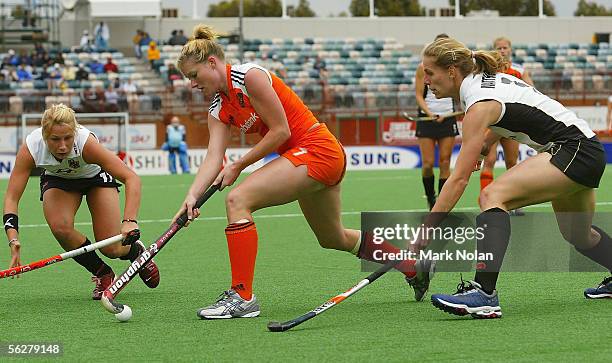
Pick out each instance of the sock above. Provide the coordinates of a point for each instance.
(486, 178)
(496, 239)
(428, 184)
(368, 247)
(92, 262)
(133, 253)
(242, 247)
(441, 184)
(602, 252)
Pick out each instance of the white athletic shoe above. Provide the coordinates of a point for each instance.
(230, 305)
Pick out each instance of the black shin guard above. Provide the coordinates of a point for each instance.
(428, 184)
(495, 241)
(602, 252)
(441, 184)
(92, 262)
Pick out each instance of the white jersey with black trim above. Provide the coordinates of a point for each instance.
(237, 74)
(438, 106)
(72, 167)
(527, 115)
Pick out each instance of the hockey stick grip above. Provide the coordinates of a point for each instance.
(182, 219)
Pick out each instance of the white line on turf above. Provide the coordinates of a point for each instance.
(298, 215)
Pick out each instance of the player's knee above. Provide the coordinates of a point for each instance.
(114, 251)
(62, 232)
(235, 200)
(427, 164)
(487, 197)
(445, 162)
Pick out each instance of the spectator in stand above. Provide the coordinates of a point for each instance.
(59, 58)
(85, 42)
(12, 58)
(278, 68)
(110, 67)
(173, 73)
(5, 84)
(38, 48)
(144, 40)
(136, 41)
(81, 73)
(320, 66)
(173, 38)
(55, 76)
(112, 99)
(609, 114)
(69, 73)
(128, 87)
(182, 39)
(153, 53)
(175, 144)
(23, 74)
(101, 36)
(24, 58)
(96, 67)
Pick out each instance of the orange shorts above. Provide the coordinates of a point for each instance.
(322, 154)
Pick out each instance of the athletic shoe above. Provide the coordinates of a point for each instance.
(602, 291)
(230, 305)
(425, 270)
(149, 274)
(102, 282)
(469, 299)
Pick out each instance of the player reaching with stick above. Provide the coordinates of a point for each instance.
(565, 172)
(310, 167)
(75, 165)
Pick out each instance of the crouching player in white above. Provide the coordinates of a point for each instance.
(75, 165)
(565, 172)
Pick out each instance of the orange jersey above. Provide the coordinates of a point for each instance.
(516, 70)
(236, 109)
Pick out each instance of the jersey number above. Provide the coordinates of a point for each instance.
(106, 177)
(505, 80)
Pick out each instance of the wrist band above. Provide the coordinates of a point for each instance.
(11, 221)
(129, 220)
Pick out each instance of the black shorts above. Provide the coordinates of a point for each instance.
(437, 130)
(582, 160)
(81, 185)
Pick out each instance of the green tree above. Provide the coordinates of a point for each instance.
(303, 10)
(505, 7)
(386, 8)
(586, 8)
(252, 8)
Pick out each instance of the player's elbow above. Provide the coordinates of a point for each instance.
(283, 134)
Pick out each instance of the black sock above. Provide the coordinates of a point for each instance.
(602, 252)
(92, 262)
(133, 253)
(441, 184)
(428, 184)
(495, 241)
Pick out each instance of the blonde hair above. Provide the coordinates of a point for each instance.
(450, 52)
(502, 39)
(59, 114)
(201, 46)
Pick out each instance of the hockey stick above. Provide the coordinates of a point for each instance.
(122, 280)
(429, 118)
(61, 257)
(276, 326)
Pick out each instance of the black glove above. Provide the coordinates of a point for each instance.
(132, 236)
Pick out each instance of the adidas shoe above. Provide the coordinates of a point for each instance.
(603, 290)
(469, 299)
(425, 270)
(230, 305)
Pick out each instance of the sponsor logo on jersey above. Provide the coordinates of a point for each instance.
(488, 81)
(249, 122)
(73, 163)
